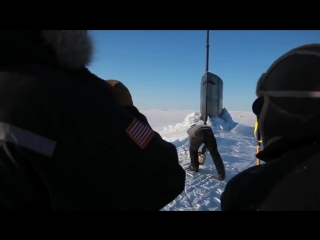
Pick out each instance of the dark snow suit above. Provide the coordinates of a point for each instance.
(203, 134)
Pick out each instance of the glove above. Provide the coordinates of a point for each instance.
(221, 177)
(121, 93)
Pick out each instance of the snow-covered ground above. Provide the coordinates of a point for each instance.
(236, 144)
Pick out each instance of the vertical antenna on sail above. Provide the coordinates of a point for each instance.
(207, 48)
(207, 69)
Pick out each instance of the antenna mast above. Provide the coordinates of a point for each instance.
(207, 57)
(207, 69)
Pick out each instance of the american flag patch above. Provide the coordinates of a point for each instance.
(140, 133)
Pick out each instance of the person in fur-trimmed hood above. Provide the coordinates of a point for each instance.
(288, 113)
(67, 140)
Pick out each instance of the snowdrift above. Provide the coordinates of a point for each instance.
(191, 118)
(224, 123)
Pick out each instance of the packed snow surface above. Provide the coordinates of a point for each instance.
(236, 144)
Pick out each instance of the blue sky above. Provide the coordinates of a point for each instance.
(163, 69)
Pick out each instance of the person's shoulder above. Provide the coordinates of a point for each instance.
(294, 191)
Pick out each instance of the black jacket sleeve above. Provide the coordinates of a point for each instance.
(162, 178)
(151, 170)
